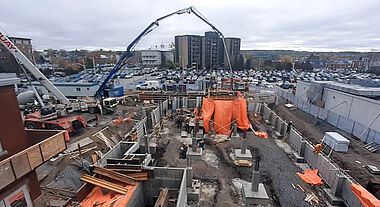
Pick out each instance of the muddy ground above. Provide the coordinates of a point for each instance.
(277, 170)
(314, 129)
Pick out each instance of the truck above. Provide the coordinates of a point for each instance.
(149, 85)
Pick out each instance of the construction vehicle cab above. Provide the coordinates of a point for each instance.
(109, 102)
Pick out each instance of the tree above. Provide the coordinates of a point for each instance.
(248, 64)
(303, 65)
(268, 63)
(267, 68)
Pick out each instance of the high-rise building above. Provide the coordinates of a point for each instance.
(7, 61)
(188, 51)
(205, 51)
(233, 49)
(213, 50)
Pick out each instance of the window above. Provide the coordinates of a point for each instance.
(78, 89)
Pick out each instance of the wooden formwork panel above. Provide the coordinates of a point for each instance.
(35, 157)
(53, 146)
(20, 164)
(6, 173)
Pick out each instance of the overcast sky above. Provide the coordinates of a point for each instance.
(314, 25)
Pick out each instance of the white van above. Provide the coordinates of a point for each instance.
(149, 85)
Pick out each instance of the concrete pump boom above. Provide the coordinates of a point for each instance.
(128, 53)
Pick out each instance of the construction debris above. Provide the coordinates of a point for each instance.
(311, 197)
(243, 163)
(104, 184)
(115, 176)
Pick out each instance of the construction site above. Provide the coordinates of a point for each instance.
(220, 146)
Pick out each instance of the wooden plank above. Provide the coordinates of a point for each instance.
(163, 198)
(20, 164)
(104, 184)
(6, 172)
(74, 146)
(114, 175)
(138, 175)
(52, 146)
(34, 155)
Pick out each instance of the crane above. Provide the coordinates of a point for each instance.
(128, 53)
(25, 62)
(47, 116)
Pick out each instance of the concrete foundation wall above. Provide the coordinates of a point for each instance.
(137, 199)
(182, 195)
(327, 169)
(116, 152)
(171, 178)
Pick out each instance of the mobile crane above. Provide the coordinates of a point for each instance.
(128, 53)
(47, 117)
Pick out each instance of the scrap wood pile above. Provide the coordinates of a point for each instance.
(121, 187)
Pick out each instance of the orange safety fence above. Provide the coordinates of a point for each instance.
(365, 197)
(97, 198)
(311, 177)
(223, 112)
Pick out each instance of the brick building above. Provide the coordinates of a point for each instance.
(8, 62)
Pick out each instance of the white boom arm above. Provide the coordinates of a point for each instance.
(22, 59)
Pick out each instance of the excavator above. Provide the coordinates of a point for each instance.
(48, 116)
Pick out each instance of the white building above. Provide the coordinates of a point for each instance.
(155, 58)
(151, 58)
(353, 102)
(71, 90)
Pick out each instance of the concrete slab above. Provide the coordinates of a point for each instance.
(183, 134)
(255, 198)
(193, 194)
(235, 137)
(194, 155)
(298, 159)
(240, 156)
(333, 200)
(277, 135)
(199, 134)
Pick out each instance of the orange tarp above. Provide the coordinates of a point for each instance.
(261, 134)
(311, 177)
(224, 112)
(365, 197)
(97, 198)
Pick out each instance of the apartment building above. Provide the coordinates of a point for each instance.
(7, 61)
(207, 52)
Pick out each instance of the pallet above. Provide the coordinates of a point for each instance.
(372, 147)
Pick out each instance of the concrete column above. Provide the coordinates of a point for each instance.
(211, 127)
(255, 180)
(234, 128)
(189, 176)
(147, 149)
(302, 149)
(337, 188)
(244, 143)
(194, 144)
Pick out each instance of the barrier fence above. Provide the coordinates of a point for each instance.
(350, 126)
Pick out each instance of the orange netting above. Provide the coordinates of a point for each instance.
(224, 112)
(365, 197)
(311, 177)
(97, 198)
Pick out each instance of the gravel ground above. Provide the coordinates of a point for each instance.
(314, 129)
(277, 170)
